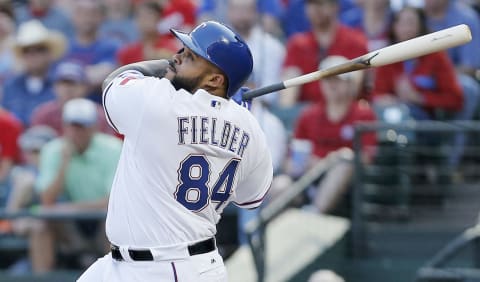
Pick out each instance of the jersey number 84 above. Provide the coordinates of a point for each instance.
(193, 190)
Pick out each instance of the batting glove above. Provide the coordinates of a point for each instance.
(237, 97)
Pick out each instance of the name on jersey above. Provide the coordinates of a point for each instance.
(209, 131)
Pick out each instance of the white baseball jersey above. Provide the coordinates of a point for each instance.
(184, 158)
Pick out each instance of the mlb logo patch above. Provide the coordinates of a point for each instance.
(215, 104)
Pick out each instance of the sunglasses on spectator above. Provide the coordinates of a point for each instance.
(35, 49)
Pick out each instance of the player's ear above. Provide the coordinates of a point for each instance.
(216, 80)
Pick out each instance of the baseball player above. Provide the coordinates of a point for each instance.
(188, 151)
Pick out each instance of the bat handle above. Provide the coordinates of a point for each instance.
(262, 91)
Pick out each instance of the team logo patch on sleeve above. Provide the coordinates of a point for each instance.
(126, 80)
(130, 77)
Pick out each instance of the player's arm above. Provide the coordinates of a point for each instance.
(156, 68)
(127, 88)
(252, 191)
(253, 188)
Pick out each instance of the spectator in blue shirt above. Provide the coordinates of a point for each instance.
(466, 58)
(118, 24)
(37, 48)
(446, 13)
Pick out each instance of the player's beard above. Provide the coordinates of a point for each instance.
(189, 84)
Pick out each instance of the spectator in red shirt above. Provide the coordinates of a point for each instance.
(152, 44)
(70, 81)
(426, 84)
(305, 50)
(326, 131)
(10, 130)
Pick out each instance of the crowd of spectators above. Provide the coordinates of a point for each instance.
(54, 56)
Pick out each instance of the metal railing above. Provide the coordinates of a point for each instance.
(255, 229)
(435, 269)
(405, 171)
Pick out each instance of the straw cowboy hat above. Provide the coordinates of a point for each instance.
(33, 33)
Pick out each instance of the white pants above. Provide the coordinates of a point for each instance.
(206, 267)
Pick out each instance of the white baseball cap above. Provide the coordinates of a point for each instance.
(80, 111)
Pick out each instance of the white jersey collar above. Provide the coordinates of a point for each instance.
(203, 94)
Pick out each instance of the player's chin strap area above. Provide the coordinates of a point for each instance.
(161, 254)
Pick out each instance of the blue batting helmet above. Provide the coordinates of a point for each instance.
(222, 47)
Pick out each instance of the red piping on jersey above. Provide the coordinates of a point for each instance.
(174, 272)
(126, 80)
(255, 201)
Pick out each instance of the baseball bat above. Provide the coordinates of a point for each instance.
(405, 50)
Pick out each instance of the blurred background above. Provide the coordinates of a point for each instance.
(376, 172)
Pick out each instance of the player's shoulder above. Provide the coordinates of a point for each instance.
(243, 118)
(242, 113)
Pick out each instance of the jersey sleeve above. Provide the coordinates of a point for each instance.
(253, 188)
(124, 99)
